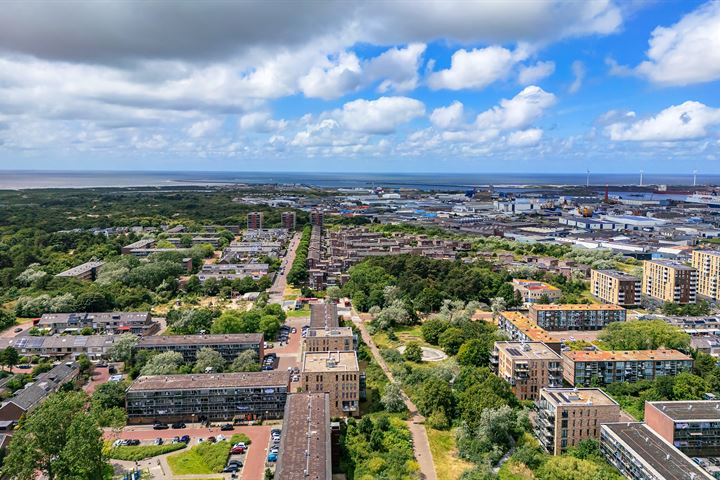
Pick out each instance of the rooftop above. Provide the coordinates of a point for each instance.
(692, 410)
(323, 315)
(227, 339)
(577, 396)
(533, 284)
(80, 269)
(656, 454)
(527, 350)
(622, 276)
(709, 252)
(528, 327)
(211, 381)
(625, 355)
(671, 264)
(330, 361)
(576, 307)
(332, 332)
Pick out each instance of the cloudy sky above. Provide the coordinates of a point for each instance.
(401, 86)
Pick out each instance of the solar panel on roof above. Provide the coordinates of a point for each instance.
(514, 352)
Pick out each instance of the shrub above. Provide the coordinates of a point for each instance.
(140, 452)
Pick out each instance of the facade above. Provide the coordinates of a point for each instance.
(336, 339)
(26, 400)
(86, 271)
(566, 416)
(669, 281)
(691, 426)
(615, 287)
(533, 291)
(60, 346)
(581, 367)
(575, 316)
(254, 220)
(527, 367)
(640, 454)
(139, 323)
(288, 220)
(229, 345)
(324, 315)
(707, 264)
(521, 329)
(233, 271)
(317, 218)
(337, 374)
(214, 397)
(305, 446)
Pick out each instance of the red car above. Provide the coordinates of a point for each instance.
(236, 450)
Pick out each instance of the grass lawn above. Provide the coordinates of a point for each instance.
(141, 452)
(447, 464)
(303, 312)
(201, 459)
(404, 335)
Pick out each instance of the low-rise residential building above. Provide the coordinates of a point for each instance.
(566, 416)
(640, 454)
(692, 426)
(575, 316)
(86, 271)
(582, 367)
(613, 286)
(26, 400)
(520, 328)
(533, 291)
(232, 271)
(707, 264)
(324, 315)
(335, 373)
(305, 445)
(229, 345)
(139, 323)
(527, 367)
(336, 339)
(60, 346)
(669, 281)
(236, 397)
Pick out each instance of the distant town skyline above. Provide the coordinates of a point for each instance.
(548, 86)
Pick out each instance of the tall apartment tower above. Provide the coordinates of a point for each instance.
(527, 367)
(317, 218)
(707, 264)
(287, 219)
(254, 220)
(618, 288)
(669, 281)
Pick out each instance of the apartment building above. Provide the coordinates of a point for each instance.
(208, 397)
(669, 281)
(229, 345)
(324, 315)
(615, 287)
(233, 271)
(288, 220)
(691, 426)
(317, 218)
(254, 220)
(533, 291)
(565, 417)
(87, 271)
(581, 367)
(527, 367)
(60, 346)
(305, 446)
(641, 454)
(337, 374)
(336, 339)
(139, 323)
(521, 329)
(707, 264)
(575, 316)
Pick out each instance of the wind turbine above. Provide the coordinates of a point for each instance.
(587, 180)
(694, 178)
(641, 177)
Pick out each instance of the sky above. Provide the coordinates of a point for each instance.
(442, 86)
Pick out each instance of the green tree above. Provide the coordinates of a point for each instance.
(208, 359)
(246, 361)
(392, 398)
(9, 357)
(109, 395)
(474, 352)
(166, 363)
(122, 349)
(435, 394)
(433, 328)
(451, 340)
(689, 387)
(7, 319)
(269, 326)
(333, 293)
(644, 335)
(413, 352)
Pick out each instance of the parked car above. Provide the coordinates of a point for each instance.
(25, 366)
(212, 439)
(272, 457)
(231, 469)
(275, 431)
(237, 450)
(178, 425)
(294, 330)
(227, 427)
(133, 442)
(18, 330)
(185, 439)
(158, 441)
(235, 462)
(160, 426)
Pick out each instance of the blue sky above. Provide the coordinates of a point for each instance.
(431, 86)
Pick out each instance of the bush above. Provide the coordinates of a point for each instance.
(438, 420)
(141, 452)
(240, 437)
(413, 352)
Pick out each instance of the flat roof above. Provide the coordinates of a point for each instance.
(576, 307)
(527, 350)
(330, 361)
(617, 274)
(330, 332)
(654, 452)
(690, 410)
(577, 396)
(305, 444)
(530, 284)
(625, 355)
(528, 327)
(210, 381)
(708, 252)
(224, 339)
(671, 263)
(323, 315)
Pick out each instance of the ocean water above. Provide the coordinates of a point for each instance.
(24, 179)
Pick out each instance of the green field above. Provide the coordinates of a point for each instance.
(201, 459)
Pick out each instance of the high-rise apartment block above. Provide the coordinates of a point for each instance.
(691, 426)
(288, 220)
(337, 339)
(527, 367)
(337, 374)
(317, 217)
(707, 264)
(575, 316)
(565, 416)
(520, 328)
(669, 281)
(255, 220)
(618, 288)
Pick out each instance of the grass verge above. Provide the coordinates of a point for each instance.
(448, 466)
(200, 459)
(141, 452)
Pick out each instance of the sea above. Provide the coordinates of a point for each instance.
(30, 179)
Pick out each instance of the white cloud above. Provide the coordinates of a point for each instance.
(333, 79)
(519, 111)
(448, 117)
(687, 52)
(535, 73)
(578, 69)
(397, 68)
(203, 127)
(261, 122)
(690, 120)
(476, 68)
(525, 138)
(381, 116)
